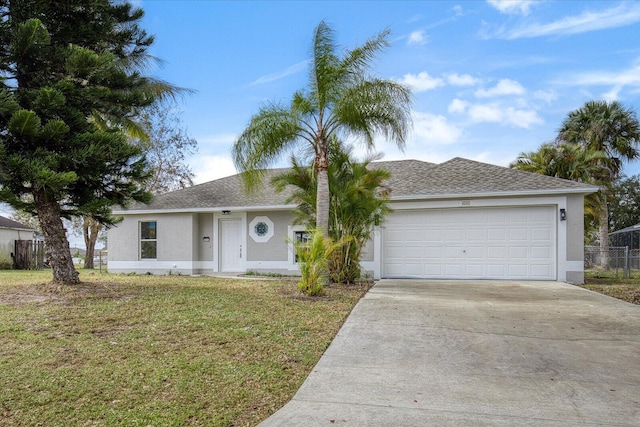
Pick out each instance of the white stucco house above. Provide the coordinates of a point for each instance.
(460, 219)
(10, 231)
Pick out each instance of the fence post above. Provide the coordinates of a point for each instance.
(626, 263)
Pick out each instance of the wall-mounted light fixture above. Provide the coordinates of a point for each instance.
(206, 239)
(226, 212)
(563, 214)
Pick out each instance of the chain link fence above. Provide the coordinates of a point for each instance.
(621, 260)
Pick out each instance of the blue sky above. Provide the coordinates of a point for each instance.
(491, 78)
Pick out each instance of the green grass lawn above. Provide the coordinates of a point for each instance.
(158, 351)
(611, 283)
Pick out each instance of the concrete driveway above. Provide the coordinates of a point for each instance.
(469, 353)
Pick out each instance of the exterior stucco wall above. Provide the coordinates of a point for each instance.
(175, 244)
(575, 228)
(277, 248)
(204, 233)
(575, 239)
(7, 244)
(368, 252)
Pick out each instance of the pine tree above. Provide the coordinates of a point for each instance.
(71, 81)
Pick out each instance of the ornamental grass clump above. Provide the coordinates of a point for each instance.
(313, 259)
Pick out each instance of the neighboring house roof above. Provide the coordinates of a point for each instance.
(627, 230)
(410, 179)
(14, 225)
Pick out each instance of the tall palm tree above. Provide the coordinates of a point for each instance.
(359, 201)
(569, 161)
(341, 99)
(611, 128)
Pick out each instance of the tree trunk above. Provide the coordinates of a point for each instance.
(603, 231)
(90, 230)
(323, 199)
(55, 238)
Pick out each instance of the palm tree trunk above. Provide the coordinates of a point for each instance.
(323, 199)
(603, 231)
(55, 239)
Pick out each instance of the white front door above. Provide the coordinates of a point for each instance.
(230, 245)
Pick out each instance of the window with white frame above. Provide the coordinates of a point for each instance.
(148, 240)
(300, 238)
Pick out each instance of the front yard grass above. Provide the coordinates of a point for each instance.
(611, 283)
(158, 351)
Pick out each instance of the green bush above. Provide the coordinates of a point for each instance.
(313, 259)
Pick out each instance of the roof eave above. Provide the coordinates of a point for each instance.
(526, 193)
(204, 210)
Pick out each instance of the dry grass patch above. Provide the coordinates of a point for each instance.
(612, 284)
(145, 350)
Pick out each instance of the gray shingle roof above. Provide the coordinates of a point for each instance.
(9, 223)
(460, 176)
(409, 179)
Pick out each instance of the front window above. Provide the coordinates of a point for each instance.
(300, 238)
(148, 240)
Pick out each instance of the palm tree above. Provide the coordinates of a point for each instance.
(341, 99)
(358, 202)
(611, 128)
(569, 161)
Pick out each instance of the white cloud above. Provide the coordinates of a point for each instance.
(547, 96)
(504, 87)
(485, 113)
(461, 79)
(512, 7)
(422, 81)
(434, 129)
(418, 37)
(630, 77)
(522, 118)
(506, 116)
(458, 106)
(616, 81)
(210, 167)
(625, 13)
(294, 69)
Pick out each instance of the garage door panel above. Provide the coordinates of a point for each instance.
(519, 271)
(475, 271)
(496, 252)
(414, 269)
(433, 253)
(474, 253)
(541, 233)
(518, 252)
(452, 235)
(495, 234)
(476, 235)
(454, 270)
(453, 253)
(542, 215)
(496, 271)
(518, 234)
(508, 243)
(434, 235)
(541, 252)
(540, 271)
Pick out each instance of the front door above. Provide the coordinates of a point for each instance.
(230, 245)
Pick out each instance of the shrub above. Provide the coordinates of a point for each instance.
(313, 259)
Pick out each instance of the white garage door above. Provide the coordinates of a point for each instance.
(469, 243)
